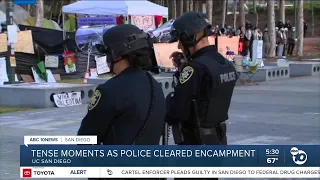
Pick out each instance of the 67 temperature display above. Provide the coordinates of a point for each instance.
(272, 160)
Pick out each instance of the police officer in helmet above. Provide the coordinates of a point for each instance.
(128, 109)
(202, 97)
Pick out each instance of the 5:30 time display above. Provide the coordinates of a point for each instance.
(272, 151)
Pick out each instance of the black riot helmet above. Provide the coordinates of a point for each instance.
(122, 40)
(187, 26)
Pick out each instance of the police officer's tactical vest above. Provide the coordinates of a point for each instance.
(218, 84)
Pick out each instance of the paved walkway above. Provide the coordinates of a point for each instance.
(272, 113)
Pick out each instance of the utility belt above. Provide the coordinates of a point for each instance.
(200, 136)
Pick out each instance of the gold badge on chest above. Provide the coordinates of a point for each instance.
(186, 74)
(94, 100)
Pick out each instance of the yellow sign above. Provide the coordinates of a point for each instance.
(13, 61)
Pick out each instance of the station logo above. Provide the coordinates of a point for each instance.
(26, 173)
(299, 157)
(109, 172)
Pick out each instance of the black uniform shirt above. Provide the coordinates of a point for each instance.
(193, 82)
(119, 107)
(176, 76)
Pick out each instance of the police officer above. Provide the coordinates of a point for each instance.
(129, 108)
(202, 97)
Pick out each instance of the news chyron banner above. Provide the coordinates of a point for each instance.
(76, 157)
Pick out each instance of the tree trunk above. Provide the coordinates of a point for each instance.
(295, 12)
(209, 6)
(186, 5)
(165, 3)
(283, 11)
(55, 8)
(197, 4)
(235, 13)
(271, 29)
(191, 5)
(39, 13)
(255, 12)
(300, 28)
(224, 12)
(312, 19)
(242, 13)
(203, 7)
(180, 7)
(173, 9)
(28, 8)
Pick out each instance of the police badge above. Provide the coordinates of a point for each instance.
(94, 100)
(186, 74)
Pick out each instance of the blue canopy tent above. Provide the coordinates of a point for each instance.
(113, 7)
(120, 7)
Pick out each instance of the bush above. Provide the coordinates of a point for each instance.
(316, 7)
(290, 10)
(307, 8)
(259, 9)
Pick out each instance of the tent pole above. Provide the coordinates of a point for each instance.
(11, 54)
(63, 26)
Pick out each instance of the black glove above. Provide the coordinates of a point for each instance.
(177, 57)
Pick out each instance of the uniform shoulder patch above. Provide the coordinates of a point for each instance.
(186, 74)
(94, 100)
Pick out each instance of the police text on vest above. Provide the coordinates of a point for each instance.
(227, 77)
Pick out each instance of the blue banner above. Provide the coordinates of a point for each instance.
(91, 21)
(169, 156)
(23, 2)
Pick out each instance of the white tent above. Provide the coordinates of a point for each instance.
(113, 7)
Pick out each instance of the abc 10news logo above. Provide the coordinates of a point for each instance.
(299, 157)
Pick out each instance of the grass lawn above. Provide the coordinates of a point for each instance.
(12, 109)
